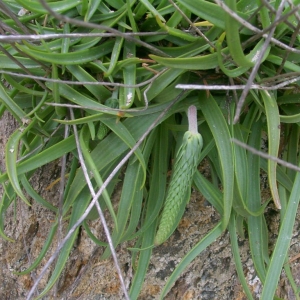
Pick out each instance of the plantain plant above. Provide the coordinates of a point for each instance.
(135, 68)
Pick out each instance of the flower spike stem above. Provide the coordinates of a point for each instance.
(192, 117)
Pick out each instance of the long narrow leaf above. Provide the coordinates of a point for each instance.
(255, 223)
(282, 243)
(273, 121)
(220, 131)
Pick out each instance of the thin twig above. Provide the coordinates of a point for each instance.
(39, 37)
(100, 212)
(4, 29)
(149, 81)
(238, 87)
(280, 78)
(266, 156)
(101, 27)
(104, 83)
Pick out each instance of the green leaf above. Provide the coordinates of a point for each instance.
(11, 154)
(70, 58)
(203, 62)
(41, 159)
(9, 103)
(59, 6)
(206, 10)
(43, 252)
(219, 128)
(124, 134)
(273, 122)
(98, 91)
(84, 138)
(257, 238)
(232, 28)
(283, 242)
